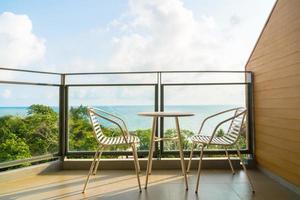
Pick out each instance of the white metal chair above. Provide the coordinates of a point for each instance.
(104, 141)
(229, 139)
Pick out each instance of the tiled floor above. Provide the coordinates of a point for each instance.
(164, 185)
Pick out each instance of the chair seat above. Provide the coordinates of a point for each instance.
(120, 140)
(215, 141)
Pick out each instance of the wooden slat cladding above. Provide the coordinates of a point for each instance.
(278, 123)
(284, 72)
(275, 63)
(278, 103)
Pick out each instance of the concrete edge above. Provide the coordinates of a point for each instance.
(166, 163)
(24, 172)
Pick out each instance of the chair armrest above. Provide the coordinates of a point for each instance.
(122, 121)
(222, 122)
(214, 115)
(124, 133)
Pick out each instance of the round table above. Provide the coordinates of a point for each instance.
(155, 116)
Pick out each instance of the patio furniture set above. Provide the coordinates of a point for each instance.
(200, 140)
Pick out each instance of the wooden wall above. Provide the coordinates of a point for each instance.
(275, 62)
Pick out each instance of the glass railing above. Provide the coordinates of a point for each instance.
(29, 117)
(123, 101)
(48, 117)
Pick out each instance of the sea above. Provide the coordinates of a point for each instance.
(130, 115)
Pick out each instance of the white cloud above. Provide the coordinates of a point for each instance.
(166, 35)
(18, 45)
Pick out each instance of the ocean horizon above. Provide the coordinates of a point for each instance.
(130, 115)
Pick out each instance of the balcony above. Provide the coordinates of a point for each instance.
(47, 145)
(62, 136)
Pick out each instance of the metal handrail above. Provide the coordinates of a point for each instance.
(122, 72)
(152, 72)
(29, 71)
(158, 73)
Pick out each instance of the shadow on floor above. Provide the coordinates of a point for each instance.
(169, 184)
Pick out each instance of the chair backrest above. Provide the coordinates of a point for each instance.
(98, 133)
(95, 113)
(236, 125)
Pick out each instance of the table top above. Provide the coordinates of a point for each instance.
(166, 114)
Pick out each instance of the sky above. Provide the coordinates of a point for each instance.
(134, 35)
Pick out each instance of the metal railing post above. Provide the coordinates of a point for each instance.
(156, 103)
(62, 118)
(162, 108)
(250, 108)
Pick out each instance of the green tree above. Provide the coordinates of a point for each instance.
(81, 135)
(12, 147)
(185, 135)
(144, 136)
(79, 113)
(42, 129)
(40, 109)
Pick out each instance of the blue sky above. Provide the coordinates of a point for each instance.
(92, 35)
(66, 26)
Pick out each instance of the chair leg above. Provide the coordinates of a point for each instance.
(229, 161)
(191, 156)
(138, 163)
(199, 169)
(244, 168)
(97, 164)
(91, 170)
(136, 166)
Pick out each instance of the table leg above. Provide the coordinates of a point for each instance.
(181, 153)
(151, 161)
(151, 150)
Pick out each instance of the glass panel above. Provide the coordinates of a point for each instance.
(203, 101)
(28, 121)
(146, 78)
(7, 75)
(123, 101)
(168, 78)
